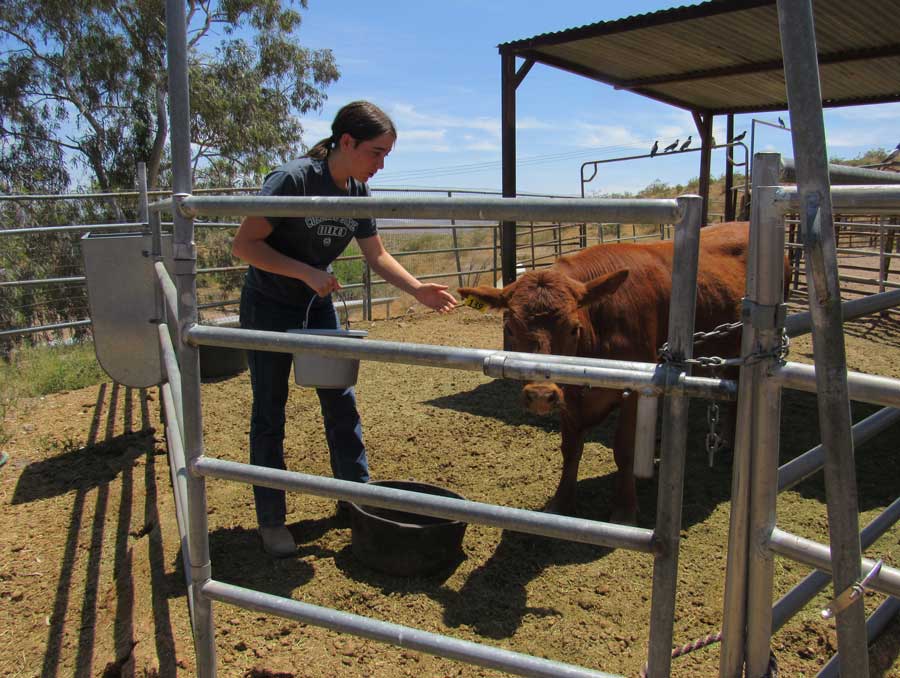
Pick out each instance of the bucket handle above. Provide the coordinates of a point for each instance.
(346, 311)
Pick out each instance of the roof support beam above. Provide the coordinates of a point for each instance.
(522, 72)
(759, 67)
(508, 82)
(703, 120)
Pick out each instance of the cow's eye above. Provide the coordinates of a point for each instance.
(576, 329)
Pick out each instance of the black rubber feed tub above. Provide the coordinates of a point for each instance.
(406, 544)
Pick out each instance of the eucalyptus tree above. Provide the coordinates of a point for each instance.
(84, 90)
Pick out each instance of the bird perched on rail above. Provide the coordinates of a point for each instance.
(671, 147)
(781, 122)
(739, 136)
(687, 143)
(892, 156)
(655, 149)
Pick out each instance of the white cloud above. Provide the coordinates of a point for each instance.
(609, 135)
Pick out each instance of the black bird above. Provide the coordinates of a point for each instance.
(781, 122)
(892, 156)
(671, 147)
(655, 148)
(685, 144)
(740, 136)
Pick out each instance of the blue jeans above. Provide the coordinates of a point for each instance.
(269, 375)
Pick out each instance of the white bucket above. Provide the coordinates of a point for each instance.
(318, 371)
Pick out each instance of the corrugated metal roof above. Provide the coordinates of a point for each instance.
(724, 56)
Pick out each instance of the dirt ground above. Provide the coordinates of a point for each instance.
(91, 575)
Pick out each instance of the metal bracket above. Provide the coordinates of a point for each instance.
(178, 202)
(852, 593)
(763, 316)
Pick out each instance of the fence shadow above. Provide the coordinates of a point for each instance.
(87, 470)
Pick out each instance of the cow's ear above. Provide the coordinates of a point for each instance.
(602, 286)
(489, 296)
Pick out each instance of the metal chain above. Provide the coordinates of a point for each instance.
(715, 362)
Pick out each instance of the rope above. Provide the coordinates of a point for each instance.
(712, 639)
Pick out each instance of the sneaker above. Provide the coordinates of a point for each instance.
(278, 541)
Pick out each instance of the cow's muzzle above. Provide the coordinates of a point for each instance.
(542, 398)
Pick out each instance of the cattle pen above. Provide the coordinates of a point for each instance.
(167, 312)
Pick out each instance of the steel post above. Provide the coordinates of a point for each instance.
(731, 659)
(765, 299)
(801, 70)
(674, 443)
(188, 355)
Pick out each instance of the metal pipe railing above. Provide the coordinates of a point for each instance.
(646, 377)
(395, 634)
(820, 556)
(868, 388)
(795, 599)
(518, 520)
(811, 461)
(502, 209)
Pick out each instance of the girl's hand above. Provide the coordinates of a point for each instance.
(436, 297)
(323, 282)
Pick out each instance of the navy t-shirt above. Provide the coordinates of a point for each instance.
(313, 240)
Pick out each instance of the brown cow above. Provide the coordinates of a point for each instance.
(612, 301)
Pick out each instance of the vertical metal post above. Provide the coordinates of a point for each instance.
(455, 247)
(798, 41)
(704, 127)
(731, 658)
(185, 258)
(495, 230)
(882, 268)
(508, 152)
(766, 297)
(674, 442)
(367, 292)
(729, 171)
(531, 228)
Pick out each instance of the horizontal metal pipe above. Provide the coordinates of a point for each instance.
(812, 460)
(637, 210)
(395, 634)
(44, 328)
(875, 624)
(43, 281)
(809, 587)
(621, 374)
(818, 555)
(518, 520)
(867, 388)
(849, 199)
(664, 381)
(843, 174)
(170, 293)
(59, 229)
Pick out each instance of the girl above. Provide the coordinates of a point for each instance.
(289, 271)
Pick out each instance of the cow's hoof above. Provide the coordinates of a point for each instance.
(624, 517)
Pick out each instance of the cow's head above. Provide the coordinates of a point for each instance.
(544, 315)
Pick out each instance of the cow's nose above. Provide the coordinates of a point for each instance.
(540, 399)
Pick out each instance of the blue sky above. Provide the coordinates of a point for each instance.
(435, 68)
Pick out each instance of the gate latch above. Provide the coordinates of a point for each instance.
(851, 593)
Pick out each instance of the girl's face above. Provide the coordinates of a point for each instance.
(367, 157)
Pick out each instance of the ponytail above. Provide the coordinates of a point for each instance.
(361, 120)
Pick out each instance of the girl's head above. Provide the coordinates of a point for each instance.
(362, 135)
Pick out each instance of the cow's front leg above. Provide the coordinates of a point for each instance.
(572, 448)
(625, 504)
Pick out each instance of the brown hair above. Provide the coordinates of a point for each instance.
(361, 120)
